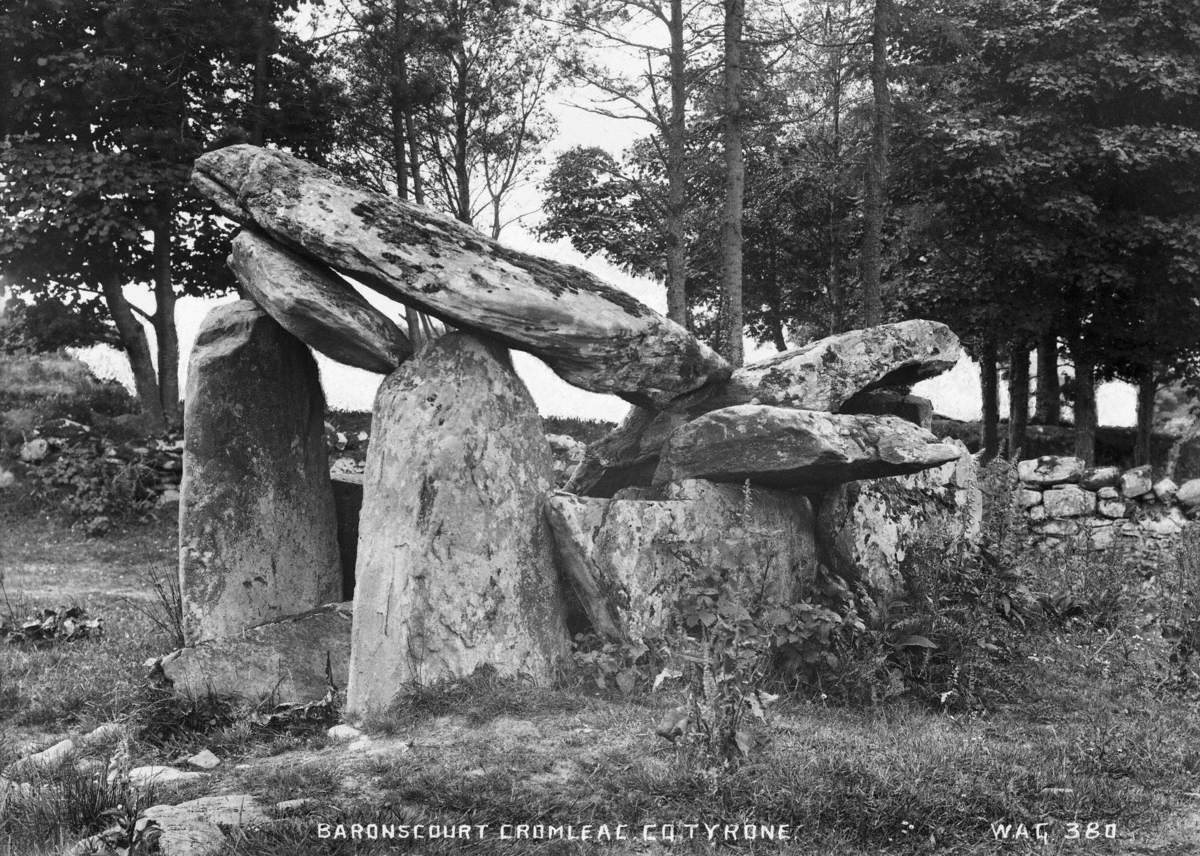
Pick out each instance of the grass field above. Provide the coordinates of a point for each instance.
(1083, 727)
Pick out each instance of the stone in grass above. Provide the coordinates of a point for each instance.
(1050, 470)
(204, 759)
(157, 775)
(284, 658)
(1068, 501)
(343, 733)
(46, 759)
(196, 827)
(1136, 482)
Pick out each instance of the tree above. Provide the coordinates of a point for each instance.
(875, 174)
(110, 102)
(1059, 150)
(658, 95)
(735, 184)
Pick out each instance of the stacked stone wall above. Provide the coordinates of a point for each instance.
(1063, 503)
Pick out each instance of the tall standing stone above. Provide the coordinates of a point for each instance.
(257, 531)
(455, 561)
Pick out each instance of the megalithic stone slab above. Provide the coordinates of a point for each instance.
(593, 335)
(802, 449)
(455, 559)
(316, 306)
(625, 558)
(257, 529)
(832, 374)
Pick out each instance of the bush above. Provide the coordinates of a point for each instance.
(86, 483)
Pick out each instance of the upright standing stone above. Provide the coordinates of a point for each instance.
(257, 532)
(455, 561)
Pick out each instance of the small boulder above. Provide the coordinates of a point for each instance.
(1050, 470)
(204, 760)
(158, 775)
(1028, 498)
(1188, 494)
(35, 451)
(1100, 477)
(1114, 509)
(1136, 482)
(1165, 490)
(343, 733)
(1068, 501)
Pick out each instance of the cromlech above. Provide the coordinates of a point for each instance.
(465, 553)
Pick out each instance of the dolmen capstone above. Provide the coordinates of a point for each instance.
(466, 555)
(593, 335)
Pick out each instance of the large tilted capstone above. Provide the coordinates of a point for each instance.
(257, 531)
(316, 306)
(593, 335)
(834, 374)
(455, 558)
(625, 560)
(786, 448)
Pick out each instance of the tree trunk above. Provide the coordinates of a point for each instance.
(989, 386)
(262, 57)
(735, 183)
(1146, 390)
(676, 142)
(1048, 409)
(396, 101)
(1085, 408)
(410, 131)
(874, 194)
(837, 300)
(462, 175)
(165, 333)
(1018, 399)
(137, 349)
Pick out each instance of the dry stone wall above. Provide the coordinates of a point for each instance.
(1064, 503)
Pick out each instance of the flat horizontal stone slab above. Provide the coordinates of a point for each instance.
(317, 306)
(593, 335)
(838, 373)
(1050, 470)
(781, 447)
(285, 657)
